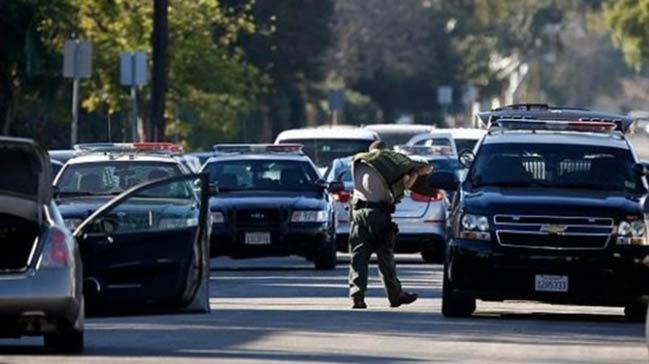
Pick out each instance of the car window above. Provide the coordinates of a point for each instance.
(556, 165)
(253, 174)
(393, 138)
(111, 177)
(169, 206)
(323, 151)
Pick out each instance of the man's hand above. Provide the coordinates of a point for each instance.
(425, 170)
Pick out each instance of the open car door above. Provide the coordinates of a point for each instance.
(148, 249)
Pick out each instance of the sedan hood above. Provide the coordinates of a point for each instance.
(268, 200)
(81, 207)
(562, 202)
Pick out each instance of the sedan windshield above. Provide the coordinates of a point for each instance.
(556, 165)
(323, 151)
(282, 175)
(108, 178)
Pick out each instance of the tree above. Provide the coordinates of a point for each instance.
(629, 20)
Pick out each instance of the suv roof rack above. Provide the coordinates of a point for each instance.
(544, 112)
(162, 148)
(259, 148)
(601, 127)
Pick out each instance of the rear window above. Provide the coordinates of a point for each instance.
(111, 177)
(266, 175)
(323, 151)
(20, 170)
(392, 138)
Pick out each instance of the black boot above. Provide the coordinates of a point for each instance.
(359, 303)
(405, 299)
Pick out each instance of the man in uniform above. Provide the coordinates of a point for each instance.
(380, 179)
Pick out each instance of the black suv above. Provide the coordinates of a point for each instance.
(271, 202)
(551, 209)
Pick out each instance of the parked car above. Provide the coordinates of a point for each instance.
(324, 144)
(464, 138)
(271, 202)
(40, 268)
(552, 209)
(398, 134)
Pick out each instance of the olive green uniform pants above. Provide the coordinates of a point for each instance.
(372, 231)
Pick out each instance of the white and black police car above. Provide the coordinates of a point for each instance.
(271, 202)
(552, 209)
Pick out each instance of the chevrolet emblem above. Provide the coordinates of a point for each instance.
(554, 229)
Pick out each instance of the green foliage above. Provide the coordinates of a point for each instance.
(629, 20)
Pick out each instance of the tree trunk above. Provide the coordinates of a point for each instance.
(266, 123)
(159, 42)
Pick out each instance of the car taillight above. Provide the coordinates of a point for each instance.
(56, 253)
(342, 196)
(423, 198)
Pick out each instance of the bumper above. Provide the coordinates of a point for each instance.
(487, 271)
(305, 240)
(412, 238)
(48, 297)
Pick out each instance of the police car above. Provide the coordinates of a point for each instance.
(141, 226)
(552, 209)
(421, 219)
(271, 202)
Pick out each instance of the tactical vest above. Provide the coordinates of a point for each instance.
(392, 166)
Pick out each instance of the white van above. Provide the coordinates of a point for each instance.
(326, 143)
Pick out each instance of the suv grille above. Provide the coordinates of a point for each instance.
(553, 232)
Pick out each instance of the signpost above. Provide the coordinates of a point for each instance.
(133, 73)
(444, 98)
(77, 64)
(336, 99)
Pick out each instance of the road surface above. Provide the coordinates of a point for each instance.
(282, 311)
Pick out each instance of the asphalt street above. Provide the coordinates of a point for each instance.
(282, 311)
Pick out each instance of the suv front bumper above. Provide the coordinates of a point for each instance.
(485, 270)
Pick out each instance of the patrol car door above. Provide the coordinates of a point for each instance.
(148, 248)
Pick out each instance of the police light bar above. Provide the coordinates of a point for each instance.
(424, 149)
(115, 148)
(258, 148)
(556, 125)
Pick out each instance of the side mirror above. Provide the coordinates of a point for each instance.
(466, 158)
(641, 169)
(444, 180)
(335, 187)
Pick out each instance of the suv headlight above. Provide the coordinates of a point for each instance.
(475, 227)
(217, 217)
(72, 224)
(632, 233)
(310, 216)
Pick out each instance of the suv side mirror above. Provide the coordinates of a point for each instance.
(466, 158)
(444, 180)
(335, 187)
(641, 169)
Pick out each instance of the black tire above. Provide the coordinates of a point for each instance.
(454, 305)
(636, 312)
(432, 256)
(326, 258)
(68, 341)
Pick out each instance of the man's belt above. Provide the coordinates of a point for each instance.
(361, 204)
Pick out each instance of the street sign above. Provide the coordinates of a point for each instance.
(77, 59)
(336, 98)
(445, 95)
(133, 70)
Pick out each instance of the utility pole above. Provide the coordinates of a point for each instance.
(77, 64)
(159, 43)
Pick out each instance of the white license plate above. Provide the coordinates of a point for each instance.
(257, 238)
(547, 283)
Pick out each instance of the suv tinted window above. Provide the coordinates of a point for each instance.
(556, 165)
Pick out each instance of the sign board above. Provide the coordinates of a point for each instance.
(77, 59)
(336, 99)
(445, 95)
(133, 68)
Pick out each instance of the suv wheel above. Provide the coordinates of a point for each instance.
(454, 305)
(69, 341)
(326, 258)
(636, 312)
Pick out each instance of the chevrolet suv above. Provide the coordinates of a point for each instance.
(552, 210)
